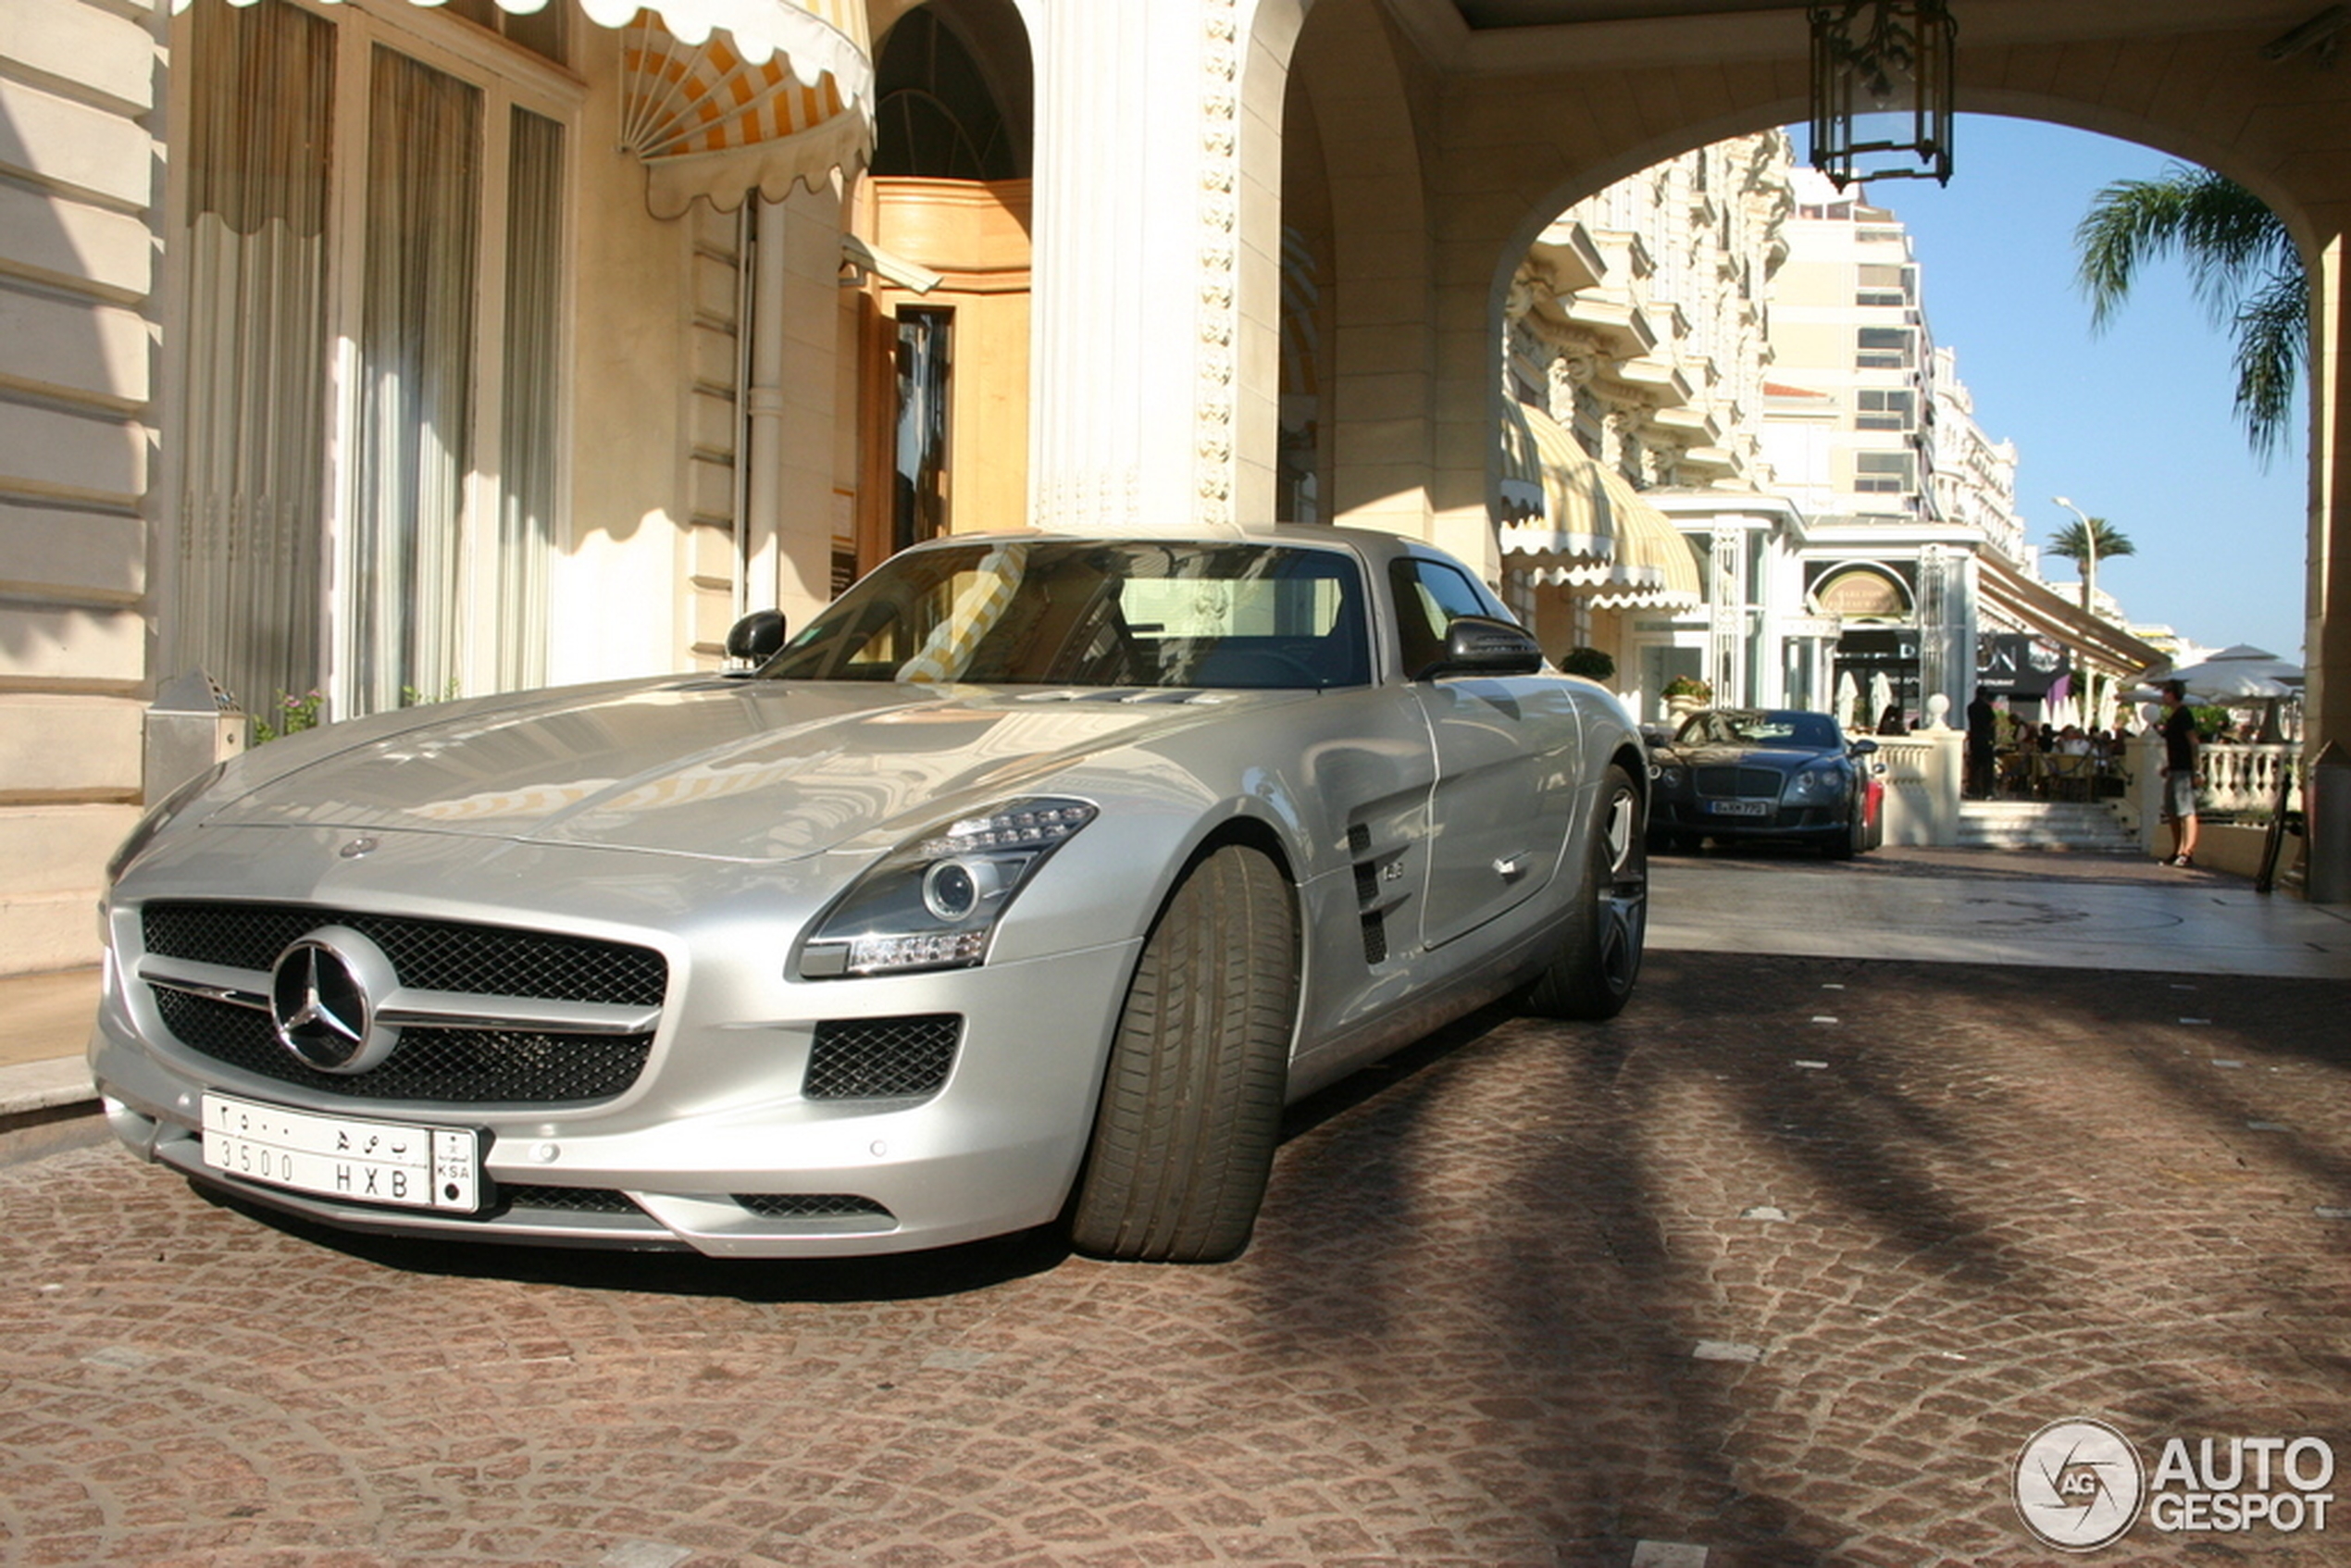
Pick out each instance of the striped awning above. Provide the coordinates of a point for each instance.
(1659, 571)
(1551, 489)
(720, 98)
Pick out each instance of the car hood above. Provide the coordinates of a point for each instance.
(733, 769)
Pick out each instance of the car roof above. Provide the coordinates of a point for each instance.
(1372, 544)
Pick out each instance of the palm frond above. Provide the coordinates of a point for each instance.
(2272, 340)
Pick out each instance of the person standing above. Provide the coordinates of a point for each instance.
(1982, 729)
(2181, 745)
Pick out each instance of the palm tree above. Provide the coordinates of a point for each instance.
(2074, 541)
(2242, 261)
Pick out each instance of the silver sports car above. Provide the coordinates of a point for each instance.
(1022, 886)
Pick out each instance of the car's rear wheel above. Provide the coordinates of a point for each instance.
(1191, 1107)
(1599, 957)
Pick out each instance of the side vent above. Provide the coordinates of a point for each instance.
(1369, 909)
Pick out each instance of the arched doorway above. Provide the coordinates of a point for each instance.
(943, 217)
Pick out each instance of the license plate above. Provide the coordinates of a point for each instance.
(1739, 808)
(398, 1164)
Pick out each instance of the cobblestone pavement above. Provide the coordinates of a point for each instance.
(1782, 1267)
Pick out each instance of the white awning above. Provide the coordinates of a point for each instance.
(1547, 474)
(723, 97)
(720, 98)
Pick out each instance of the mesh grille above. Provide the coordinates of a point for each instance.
(566, 1200)
(438, 955)
(435, 1066)
(1738, 783)
(882, 1058)
(810, 1205)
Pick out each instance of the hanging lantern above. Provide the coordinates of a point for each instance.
(1881, 86)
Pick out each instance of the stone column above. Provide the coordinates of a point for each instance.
(1156, 261)
(2326, 647)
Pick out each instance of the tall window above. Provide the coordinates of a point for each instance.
(384, 186)
(925, 357)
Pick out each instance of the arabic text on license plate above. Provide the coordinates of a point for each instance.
(1739, 808)
(395, 1162)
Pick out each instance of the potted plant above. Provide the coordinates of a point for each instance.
(1590, 663)
(1685, 695)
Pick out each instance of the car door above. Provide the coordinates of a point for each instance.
(1506, 750)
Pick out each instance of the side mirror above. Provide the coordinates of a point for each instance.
(1861, 748)
(1482, 646)
(757, 637)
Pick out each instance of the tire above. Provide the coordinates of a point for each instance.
(1599, 957)
(1191, 1106)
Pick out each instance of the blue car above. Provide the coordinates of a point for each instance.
(1765, 774)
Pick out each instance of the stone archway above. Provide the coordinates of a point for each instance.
(1510, 125)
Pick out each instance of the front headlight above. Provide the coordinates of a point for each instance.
(158, 818)
(1666, 774)
(1814, 784)
(934, 903)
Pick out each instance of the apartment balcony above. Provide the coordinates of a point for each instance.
(1568, 259)
(1618, 328)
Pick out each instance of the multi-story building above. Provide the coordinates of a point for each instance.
(1639, 333)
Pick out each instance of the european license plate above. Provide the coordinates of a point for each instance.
(366, 1162)
(1739, 808)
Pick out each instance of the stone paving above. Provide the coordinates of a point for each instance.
(1784, 1266)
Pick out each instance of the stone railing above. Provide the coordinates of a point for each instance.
(2239, 780)
(1921, 778)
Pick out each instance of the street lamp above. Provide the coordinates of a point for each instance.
(2089, 550)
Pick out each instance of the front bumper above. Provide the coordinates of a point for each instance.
(717, 1145)
(1778, 821)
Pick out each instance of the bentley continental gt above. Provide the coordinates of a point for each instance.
(1022, 886)
(1766, 774)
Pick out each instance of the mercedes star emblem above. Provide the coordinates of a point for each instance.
(319, 995)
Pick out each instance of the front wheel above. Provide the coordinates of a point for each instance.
(1599, 956)
(1192, 1108)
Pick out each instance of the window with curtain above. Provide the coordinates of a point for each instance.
(419, 570)
(253, 409)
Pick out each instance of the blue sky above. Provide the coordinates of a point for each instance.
(2134, 424)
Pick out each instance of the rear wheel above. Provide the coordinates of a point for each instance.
(1192, 1108)
(1599, 957)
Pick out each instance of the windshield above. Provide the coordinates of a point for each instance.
(1094, 613)
(1812, 731)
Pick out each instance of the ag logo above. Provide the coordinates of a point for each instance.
(2078, 1485)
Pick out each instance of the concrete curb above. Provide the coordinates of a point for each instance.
(46, 1106)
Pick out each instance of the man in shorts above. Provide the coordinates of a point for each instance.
(2180, 744)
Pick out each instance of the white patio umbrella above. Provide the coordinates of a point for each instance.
(1881, 697)
(2216, 681)
(2239, 672)
(1846, 693)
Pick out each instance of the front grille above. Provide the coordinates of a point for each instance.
(810, 1205)
(882, 1058)
(433, 1066)
(517, 1065)
(1738, 783)
(440, 955)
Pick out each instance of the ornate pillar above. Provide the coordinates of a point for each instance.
(2327, 646)
(1156, 261)
(1726, 620)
